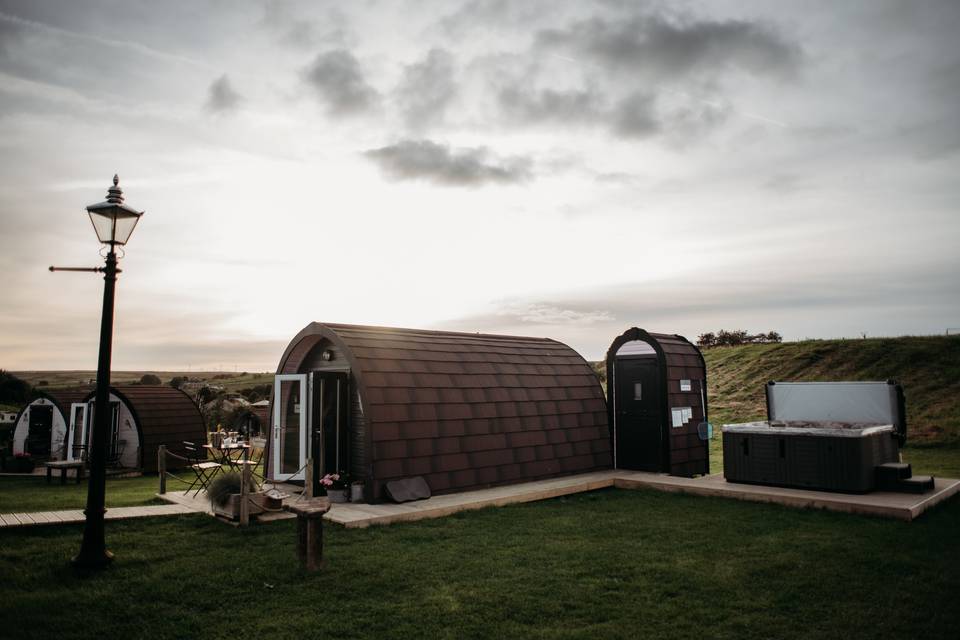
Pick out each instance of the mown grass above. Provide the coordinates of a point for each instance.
(32, 493)
(609, 564)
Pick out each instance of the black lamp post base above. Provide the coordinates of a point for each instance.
(93, 561)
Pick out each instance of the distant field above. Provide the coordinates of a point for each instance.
(61, 379)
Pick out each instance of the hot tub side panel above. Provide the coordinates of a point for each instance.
(844, 464)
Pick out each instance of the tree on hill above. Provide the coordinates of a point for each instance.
(724, 338)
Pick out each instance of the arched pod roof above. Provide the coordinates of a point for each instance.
(163, 415)
(61, 398)
(466, 410)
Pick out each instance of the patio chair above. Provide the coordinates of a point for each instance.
(204, 469)
(114, 456)
(256, 457)
(80, 452)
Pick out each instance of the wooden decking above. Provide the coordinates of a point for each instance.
(901, 506)
(72, 516)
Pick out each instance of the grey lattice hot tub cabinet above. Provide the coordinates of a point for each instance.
(833, 436)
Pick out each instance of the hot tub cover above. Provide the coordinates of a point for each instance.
(809, 428)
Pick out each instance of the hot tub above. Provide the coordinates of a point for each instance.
(828, 436)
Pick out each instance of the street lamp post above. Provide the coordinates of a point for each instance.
(113, 221)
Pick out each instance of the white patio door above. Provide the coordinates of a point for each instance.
(289, 443)
(77, 434)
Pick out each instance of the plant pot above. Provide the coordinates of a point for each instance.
(337, 495)
(231, 510)
(21, 465)
(356, 492)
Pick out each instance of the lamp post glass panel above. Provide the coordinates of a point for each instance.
(113, 221)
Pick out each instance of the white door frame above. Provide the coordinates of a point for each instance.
(302, 378)
(72, 427)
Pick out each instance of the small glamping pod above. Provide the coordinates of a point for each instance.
(57, 427)
(42, 426)
(657, 397)
(462, 410)
(142, 419)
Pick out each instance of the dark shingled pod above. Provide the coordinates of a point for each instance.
(463, 410)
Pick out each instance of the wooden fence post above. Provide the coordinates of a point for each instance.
(162, 467)
(244, 489)
(308, 479)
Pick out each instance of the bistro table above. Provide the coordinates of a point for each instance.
(229, 454)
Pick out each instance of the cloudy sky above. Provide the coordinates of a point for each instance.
(561, 169)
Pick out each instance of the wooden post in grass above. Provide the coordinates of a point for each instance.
(244, 489)
(162, 467)
(310, 531)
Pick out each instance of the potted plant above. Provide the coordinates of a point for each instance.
(334, 486)
(224, 495)
(22, 463)
(356, 491)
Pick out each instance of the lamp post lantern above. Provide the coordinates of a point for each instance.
(113, 221)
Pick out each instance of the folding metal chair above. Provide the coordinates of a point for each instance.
(253, 462)
(205, 470)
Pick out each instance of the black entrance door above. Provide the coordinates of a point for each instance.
(638, 420)
(329, 442)
(38, 437)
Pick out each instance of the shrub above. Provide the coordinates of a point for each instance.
(150, 379)
(225, 485)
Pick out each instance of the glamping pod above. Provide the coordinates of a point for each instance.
(42, 427)
(462, 410)
(657, 398)
(142, 418)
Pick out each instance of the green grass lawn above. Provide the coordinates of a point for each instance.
(27, 494)
(608, 564)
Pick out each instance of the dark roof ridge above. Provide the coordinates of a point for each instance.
(431, 332)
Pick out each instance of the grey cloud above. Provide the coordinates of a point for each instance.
(338, 81)
(635, 116)
(673, 47)
(221, 97)
(427, 88)
(283, 21)
(11, 32)
(796, 304)
(523, 104)
(443, 165)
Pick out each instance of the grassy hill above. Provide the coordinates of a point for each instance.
(61, 379)
(927, 367)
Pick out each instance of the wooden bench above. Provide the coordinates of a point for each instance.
(62, 466)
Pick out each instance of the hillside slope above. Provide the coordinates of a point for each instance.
(927, 367)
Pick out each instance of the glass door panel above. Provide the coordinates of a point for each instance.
(77, 433)
(289, 426)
